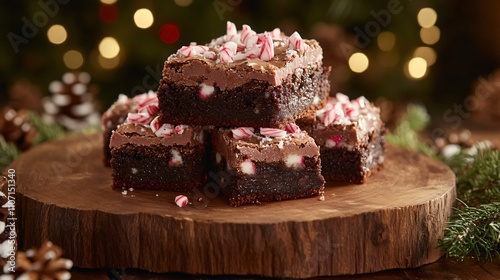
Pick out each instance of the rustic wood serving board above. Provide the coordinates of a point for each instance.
(392, 221)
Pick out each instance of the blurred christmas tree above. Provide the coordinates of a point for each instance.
(378, 48)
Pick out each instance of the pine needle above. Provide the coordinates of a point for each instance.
(8, 153)
(46, 131)
(473, 231)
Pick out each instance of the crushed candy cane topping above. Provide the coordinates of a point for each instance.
(246, 132)
(242, 44)
(341, 108)
(147, 114)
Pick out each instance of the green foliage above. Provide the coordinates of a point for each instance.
(8, 152)
(406, 133)
(46, 132)
(478, 176)
(474, 228)
(473, 231)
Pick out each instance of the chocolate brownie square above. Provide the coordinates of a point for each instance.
(351, 136)
(244, 79)
(118, 112)
(173, 161)
(266, 165)
(148, 154)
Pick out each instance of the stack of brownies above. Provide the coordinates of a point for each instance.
(254, 107)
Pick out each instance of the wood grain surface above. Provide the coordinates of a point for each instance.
(443, 269)
(392, 221)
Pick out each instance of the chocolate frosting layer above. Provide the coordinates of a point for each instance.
(353, 131)
(263, 149)
(141, 135)
(194, 70)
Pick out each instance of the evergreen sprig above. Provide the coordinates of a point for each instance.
(46, 131)
(406, 133)
(8, 151)
(473, 230)
(478, 176)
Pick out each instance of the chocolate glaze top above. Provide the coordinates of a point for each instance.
(263, 149)
(353, 129)
(246, 63)
(136, 134)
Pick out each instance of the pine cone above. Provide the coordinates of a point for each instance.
(72, 103)
(4, 213)
(45, 263)
(25, 95)
(16, 127)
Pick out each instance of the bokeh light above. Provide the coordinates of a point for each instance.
(417, 67)
(109, 47)
(109, 2)
(169, 33)
(386, 41)
(427, 53)
(430, 35)
(183, 3)
(107, 63)
(73, 59)
(427, 17)
(108, 13)
(57, 34)
(143, 18)
(358, 62)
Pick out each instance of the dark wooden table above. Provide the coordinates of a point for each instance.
(443, 269)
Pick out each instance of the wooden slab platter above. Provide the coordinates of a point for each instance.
(392, 221)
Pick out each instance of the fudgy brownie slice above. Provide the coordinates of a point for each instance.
(266, 165)
(117, 114)
(141, 159)
(351, 136)
(244, 79)
(148, 154)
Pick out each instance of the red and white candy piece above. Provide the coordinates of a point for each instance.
(231, 29)
(145, 99)
(181, 200)
(292, 128)
(276, 33)
(361, 102)
(199, 49)
(226, 55)
(273, 132)
(247, 167)
(232, 46)
(333, 141)
(294, 161)
(351, 110)
(205, 90)
(295, 42)
(333, 114)
(161, 130)
(342, 98)
(246, 33)
(187, 51)
(139, 118)
(151, 109)
(242, 132)
(252, 40)
(179, 129)
(253, 52)
(267, 48)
